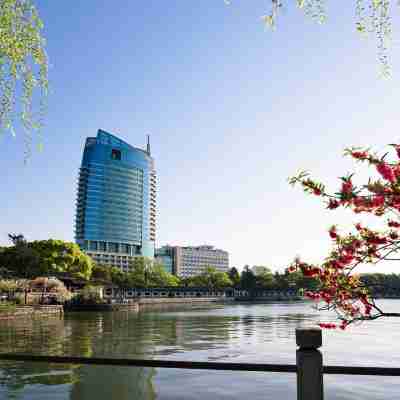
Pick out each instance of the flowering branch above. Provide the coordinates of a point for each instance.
(340, 289)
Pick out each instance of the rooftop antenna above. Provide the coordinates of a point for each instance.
(148, 144)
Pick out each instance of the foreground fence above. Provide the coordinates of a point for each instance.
(309, 366)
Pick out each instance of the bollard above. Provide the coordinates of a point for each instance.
(309, 364)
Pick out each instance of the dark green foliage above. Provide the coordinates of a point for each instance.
(101, 274)
(44, 258)
(234, 276)
(247, 279)
(143, 272)
(265, 280)
(382, 284)
(210, 278)
(89, 295)
(17, 238)
(20, 261)
(274, 281)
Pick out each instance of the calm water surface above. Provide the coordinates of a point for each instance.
(231, 333)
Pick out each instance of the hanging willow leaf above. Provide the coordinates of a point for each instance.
(23, 68)
(300, 3)
(372, 16)
(376, 3)
(268, 20)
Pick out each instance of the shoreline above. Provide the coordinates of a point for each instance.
(33, 311)
(148, 303)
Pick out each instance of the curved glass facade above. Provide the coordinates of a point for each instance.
(115, 209)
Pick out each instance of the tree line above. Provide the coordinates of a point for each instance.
(56, 258)
(29, 260)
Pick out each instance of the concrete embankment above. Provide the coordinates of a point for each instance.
(32, 311)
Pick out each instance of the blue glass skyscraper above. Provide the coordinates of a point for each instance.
(116, 201)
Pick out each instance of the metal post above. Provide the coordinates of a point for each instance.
(309, 364)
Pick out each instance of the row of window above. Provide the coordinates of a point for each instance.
(191, 268)
(113, 215)
(101, 224)
(125, 250)
(115, 179)
(125, 214)
(109, 261)
(111, 247)
(101, 176)
(112, 184)
(204, 261)
(126, 192)
(111, 170)
(102, 169)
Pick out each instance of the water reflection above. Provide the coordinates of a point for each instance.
(104, 383)
(248, 333)
(211, 332)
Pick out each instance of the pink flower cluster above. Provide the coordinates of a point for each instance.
(338, 287)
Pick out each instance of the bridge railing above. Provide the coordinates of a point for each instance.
(309, 364)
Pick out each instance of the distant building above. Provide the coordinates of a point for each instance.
(192, 260)
(259, 270)
(165, 256)
(116, 201)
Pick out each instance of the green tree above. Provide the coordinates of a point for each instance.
(282, 281)
(57, 256)
(46, 257)
(221, 280)
(247, 279)
(186, 282)
(140, 272)
(17, 239)
(159, 277)
(20, 260)
(212, 279)
(234, 276)
(144, 272)
(101, 273)
(23, 66)
(118, 277)
(381, 284)
(265, 280)
(88, 295)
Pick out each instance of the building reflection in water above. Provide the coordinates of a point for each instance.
(105, 383)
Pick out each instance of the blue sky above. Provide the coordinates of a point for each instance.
(232, 108)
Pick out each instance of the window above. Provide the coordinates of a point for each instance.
(115, 154)
(113, 247)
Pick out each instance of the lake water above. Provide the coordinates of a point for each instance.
(229, 333)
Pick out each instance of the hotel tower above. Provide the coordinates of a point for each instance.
(116, 201)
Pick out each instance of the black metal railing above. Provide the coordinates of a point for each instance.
(217, 366)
